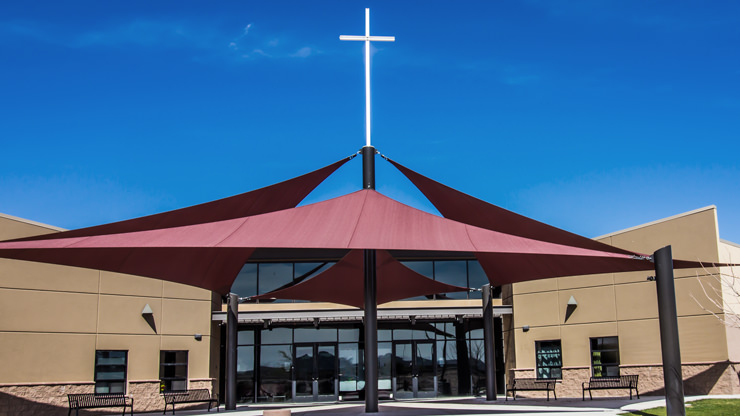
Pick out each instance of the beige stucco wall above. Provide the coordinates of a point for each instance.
(53, 319)
(625, 304)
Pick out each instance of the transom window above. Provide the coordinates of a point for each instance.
(110, 371)
(549, 359)
(605, 356)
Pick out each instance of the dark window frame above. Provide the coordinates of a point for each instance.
(539, 358)
(165, 382)
(107, 382)
(603, 366)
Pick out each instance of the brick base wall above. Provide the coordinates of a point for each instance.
(51, 399)
(699, 379)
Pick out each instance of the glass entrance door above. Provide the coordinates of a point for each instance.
(315, 372)
(414, 369)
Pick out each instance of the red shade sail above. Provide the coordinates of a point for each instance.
(283, 195)
(394, 281)
(207, 245)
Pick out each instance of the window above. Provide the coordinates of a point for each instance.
(110, 372)
(605, 356)
(549, 359)
(173, 371)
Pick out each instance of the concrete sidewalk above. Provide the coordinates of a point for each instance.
(465, 407)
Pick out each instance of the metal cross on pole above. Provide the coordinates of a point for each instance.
(367, 39)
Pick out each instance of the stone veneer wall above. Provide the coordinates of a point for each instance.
(699, 379)
(49, 399)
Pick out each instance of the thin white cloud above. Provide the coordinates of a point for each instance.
(304, 52)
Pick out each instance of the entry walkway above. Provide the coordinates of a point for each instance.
(467, 406)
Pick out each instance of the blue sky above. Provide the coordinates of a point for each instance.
(592, 116)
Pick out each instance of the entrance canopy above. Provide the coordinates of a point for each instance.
(206, 245)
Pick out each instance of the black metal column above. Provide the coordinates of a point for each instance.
(488, 343)
(668, 319)
(368, 167)
(371, 305)
(232, 316)
(371, 335)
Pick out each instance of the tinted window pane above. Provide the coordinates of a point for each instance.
(452, 273)
(274, 275)
(277, 336)
(351, 334)
(275, 364)
(315, 335)
(349, 364)
(245, 337)
(246, 281)
(476, 278)
(424, 268)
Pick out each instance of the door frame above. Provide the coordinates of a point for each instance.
(316, 397)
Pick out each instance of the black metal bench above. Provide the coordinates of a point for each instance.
(94, 401)
(532, 384)
(189, 396)
(605, 383)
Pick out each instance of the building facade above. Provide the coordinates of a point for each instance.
(67, 330)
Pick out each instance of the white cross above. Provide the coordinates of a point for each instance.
(367, 38)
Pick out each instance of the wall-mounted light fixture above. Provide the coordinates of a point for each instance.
(198, 337)
(525, 328)
(147, 310)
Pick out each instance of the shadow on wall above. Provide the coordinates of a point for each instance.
(700, 383)
(13, 405)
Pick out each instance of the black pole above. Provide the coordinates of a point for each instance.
(668, 319)
(371, 335)
(368, 167)
(488, 344)
(232, 314)
(371, 305)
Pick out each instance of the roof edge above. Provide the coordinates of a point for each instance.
(30, 222)
(729, 243)
(647, 224)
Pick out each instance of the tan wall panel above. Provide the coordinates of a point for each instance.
(36, 311)
(198, 352)
(595, 304)
(11, 228)
(143, 353)
(525, 345)
(692, 237)
(576, 344)
(636, 301)
(575, 282)
(696, 305)
(702, 339)
(534, 286)
(639, 342)
(126, 284)
(32, 357)
(186, 317)
(633, 277)
(536, 309)
(180, 291)
(29, 275)
(122, 315)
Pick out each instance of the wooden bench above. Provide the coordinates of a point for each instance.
(95, 401)
(604, 383)
(532, 384)
(189, 396)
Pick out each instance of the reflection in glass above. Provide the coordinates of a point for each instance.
(312, 334)
(424, 363)
(277, 336)
(349, 335)
(326, 369)
(304, 370)
(453, 272)
(404, 363)
(245, 337)
(245, 374)
(548, 359)
(275, 366)
(447, 367)
(477, 366)
(274, 275)
(246, 281)
(476, 278)
(349, 371)
(385, 360)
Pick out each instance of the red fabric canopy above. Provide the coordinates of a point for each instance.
(206, 245)
(283, 195)
(394, 281)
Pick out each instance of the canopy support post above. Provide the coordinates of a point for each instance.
(371, 335)
(488, 342)
(232, 315)
(668, 320)
(368, 167)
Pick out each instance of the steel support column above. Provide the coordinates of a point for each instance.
(488, 343)
(668, 319)
(371, 298)
(232, 316)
